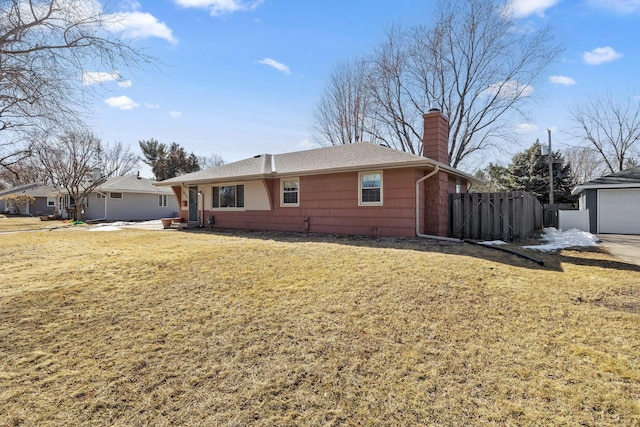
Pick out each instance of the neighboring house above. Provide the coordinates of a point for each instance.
(360, 188)
(44, 203)
(124, 198)
(613, 202)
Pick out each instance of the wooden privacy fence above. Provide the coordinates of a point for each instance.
(550, 213)
(491, 216)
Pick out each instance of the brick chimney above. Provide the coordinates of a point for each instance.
(435, 143)
(435, 140)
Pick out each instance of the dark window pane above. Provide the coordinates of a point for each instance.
(240, 194)
(216, 197)
(370, 195)
(291, 197)
(228, 196)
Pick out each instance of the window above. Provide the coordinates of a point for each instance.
(370, 188)
(115, 195)
(289, 192)
(162, 200)
(99, 196)
(228, 196)
(51, 201)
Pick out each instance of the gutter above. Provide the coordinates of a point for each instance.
(435, 170)
(580, 188)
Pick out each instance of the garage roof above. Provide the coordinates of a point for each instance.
(628, 178)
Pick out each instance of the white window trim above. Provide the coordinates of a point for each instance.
(117, 192)
(282, 203)
(100, 196)
(163, 200)
(360, 202)
(229, 184)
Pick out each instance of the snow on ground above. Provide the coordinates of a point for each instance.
(123, 223)
(104, 227)
(115, 226)
(493, 242)
(558, 239)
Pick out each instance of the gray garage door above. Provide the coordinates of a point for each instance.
(619, 211)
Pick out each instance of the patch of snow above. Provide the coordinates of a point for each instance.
(125, 223)
(559, 239)
(104, 227)
(493, 242)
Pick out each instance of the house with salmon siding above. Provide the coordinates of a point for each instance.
(358, 189)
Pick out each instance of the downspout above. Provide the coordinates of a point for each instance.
(428, 236)
(201, 197)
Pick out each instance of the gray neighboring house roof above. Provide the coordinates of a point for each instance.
(340, 158)
(18, 189)
(131, 184)
(42, 191)
(628, 178)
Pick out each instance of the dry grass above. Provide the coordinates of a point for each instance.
(182, 328)
(16, 223)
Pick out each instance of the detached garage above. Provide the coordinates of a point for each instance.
(613, 202)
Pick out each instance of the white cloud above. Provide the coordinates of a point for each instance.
(220, 7)
(601, 55)
(97, 77)
(121, 102)
(524, 8)
(620, 6)
(307, 145)
(509, 89)
(175, 114)
(125, 83)
(275, 64)
(140, 25)
(562, 80)
(526, 128)
(151, 106)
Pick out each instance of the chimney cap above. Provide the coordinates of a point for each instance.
(434, 109)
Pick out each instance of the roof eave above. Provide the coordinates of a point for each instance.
(421, 163)
(580, 188)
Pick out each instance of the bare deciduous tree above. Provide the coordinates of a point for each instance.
(611, 127)
(211, 161)
(475, 64)
(71, 159)
(45, 46)
(118, 159)
(586, 164)
(398, 104)
(340, 116)
(26, 171)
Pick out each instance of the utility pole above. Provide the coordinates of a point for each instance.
(550, 170)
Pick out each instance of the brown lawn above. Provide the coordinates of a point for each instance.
(138, 327)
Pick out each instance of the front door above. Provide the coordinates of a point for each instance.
(193, 204)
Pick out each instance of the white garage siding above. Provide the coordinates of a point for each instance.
(619, 211)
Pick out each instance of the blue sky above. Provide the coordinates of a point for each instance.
(241, 77)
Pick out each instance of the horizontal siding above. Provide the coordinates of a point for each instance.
(330, 203)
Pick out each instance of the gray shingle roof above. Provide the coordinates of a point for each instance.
(132, 184)
(340, 158)
(17, 189)
(628, 178)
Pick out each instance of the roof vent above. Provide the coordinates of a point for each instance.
(257, 156)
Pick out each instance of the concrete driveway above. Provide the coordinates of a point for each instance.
(623, 246)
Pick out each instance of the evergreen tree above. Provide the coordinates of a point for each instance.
(529, 171)
(168, 162)
(494, 177)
